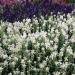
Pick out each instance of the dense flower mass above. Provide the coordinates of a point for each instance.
(7, 2)
(11, 2)
(38, 46)
(20, 9)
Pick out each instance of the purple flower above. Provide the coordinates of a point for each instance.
(27, 9)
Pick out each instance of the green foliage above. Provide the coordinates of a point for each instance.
(61, 42)
(6, 70)
(69, 69)
(73, 46)
(52, 67)
(71, 1)
(30, 46)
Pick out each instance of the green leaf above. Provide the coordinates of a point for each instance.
(61, 42)
(69, 69)
(30, 47)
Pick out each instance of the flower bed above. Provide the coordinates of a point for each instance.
(38, 46)
(21, 10)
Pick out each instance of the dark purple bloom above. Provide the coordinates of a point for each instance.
(27, 9)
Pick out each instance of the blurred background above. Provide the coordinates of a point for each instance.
(10, 2)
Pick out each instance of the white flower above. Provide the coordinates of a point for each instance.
(57, 31)
(29, 61)
(61, 16)
(17, 71)
(47, 45)
(26, 51)
(10, 74)
(69, 50)
(47, 58)
(57, 73)
(55, 47)
(66, 37)
(64, 26)
(63, 32)
(56, 39)
(38, 58)
(22, 61)
(33, 39)
(24, 35)
(9, 29)
(41, 65)
(24, 20)
(72, 38)
(34, 69)
(13, 63)
(73, 24)
(69, 21)
(28, 20)
(32, 52)
(22, 73)
(14, 40)
(64, 65)
(64, 19)
(44, 63)
(15, 58)
(36, 21)
(74, 54)
(73, 74)
(58, 63)
(47, 69)
(68, 16)
(43, 48)
(5, 63)
(1, 69)
(43, 34)
(61, 54)
(52, 29)
(53, 55)
(66, 59)
(51, 41)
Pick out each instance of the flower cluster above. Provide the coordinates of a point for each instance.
(23, 9)
(11, 2)
(38, 46)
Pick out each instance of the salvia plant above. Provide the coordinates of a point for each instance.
(38, 46)
(14, 10)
